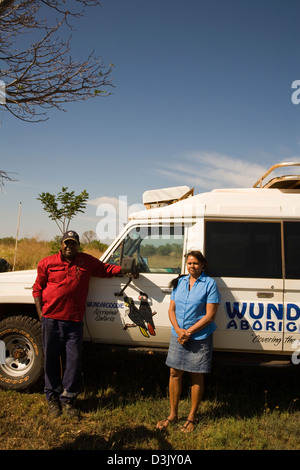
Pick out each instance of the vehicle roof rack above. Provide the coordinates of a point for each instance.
(280, 182)
(166, 196)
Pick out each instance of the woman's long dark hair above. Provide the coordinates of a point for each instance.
(197, 254)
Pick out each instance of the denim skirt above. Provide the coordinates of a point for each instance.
(194, 356)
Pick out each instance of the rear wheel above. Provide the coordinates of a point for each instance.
(22, 366)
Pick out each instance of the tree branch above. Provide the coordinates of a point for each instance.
(43, 75)
(4, 177)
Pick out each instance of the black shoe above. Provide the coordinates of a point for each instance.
(54, 408)
(70, 409)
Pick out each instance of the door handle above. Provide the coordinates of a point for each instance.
(167, 291)
(265, 295)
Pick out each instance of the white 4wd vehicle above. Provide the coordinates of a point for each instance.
(251, 239)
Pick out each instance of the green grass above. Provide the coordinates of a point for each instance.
(125, 394)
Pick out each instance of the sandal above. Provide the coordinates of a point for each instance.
(164, 423)
(187, 424)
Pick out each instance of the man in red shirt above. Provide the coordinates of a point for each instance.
(60, 292)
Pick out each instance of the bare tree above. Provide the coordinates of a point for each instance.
(88, 236)
(35, 61)
(4, 177)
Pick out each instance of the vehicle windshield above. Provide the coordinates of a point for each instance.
(156, 249)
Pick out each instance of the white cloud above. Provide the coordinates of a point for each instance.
(212, 170)
(104, 200)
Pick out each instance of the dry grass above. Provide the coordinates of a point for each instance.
(161, 261)
(92, 251)
(125, 394)
(29, 253)
(31, 250)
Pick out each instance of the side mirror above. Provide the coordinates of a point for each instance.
(128, 265)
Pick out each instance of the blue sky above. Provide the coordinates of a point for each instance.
(202, 98)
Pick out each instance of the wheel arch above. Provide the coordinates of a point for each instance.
(13, 309)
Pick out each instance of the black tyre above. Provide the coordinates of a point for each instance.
(23, 365)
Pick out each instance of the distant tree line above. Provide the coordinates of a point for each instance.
(161, 250)
(10, 241)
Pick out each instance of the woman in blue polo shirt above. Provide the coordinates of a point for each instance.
(193, 307)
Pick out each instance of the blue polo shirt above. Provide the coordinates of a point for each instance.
(191, 304)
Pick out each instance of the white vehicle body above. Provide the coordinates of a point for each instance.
(251, 239)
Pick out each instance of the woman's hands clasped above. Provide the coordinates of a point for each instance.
(183, 336)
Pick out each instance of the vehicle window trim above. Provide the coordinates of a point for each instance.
(262, 221)
(284, 242)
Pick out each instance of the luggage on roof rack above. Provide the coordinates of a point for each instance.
(280, 182)
(166, 196)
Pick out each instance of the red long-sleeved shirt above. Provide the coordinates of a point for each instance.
(63, 286)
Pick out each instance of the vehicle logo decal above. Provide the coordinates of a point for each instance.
(142, 317)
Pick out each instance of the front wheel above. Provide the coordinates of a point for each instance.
(22, 366)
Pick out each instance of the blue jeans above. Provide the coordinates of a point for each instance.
(62, 338)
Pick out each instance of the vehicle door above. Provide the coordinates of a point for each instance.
(291, 340)
(135, 312)
(245, 259)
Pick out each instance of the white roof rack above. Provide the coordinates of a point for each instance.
(165, 196)
(280, 182)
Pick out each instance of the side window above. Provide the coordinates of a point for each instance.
(157, 249)
(243, 249)
(292, 250)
